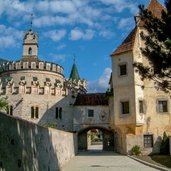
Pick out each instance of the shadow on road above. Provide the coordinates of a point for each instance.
(97, 153)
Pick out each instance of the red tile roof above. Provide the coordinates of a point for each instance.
(156, 8)
(91, 99)
(127, 45)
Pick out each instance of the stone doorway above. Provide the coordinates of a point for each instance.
(96, 139)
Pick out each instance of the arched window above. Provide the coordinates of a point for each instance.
(30, 51)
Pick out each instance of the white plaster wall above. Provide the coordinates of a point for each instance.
(81, 119)
(123, 88)
(139, 84)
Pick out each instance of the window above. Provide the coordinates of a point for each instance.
(90, 113)
(148, 141)
(162, 106)
(59, 113)
(141, 106)
(10, 110)
(30, 51)
(34, 112)
(37, 112)
(125, 107)
(122, 69)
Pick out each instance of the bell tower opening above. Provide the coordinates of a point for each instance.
(30, 51)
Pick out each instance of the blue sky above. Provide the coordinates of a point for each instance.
(88, 29)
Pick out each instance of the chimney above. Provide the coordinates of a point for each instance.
(137, 19)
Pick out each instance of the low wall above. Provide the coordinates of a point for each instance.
(25, 146)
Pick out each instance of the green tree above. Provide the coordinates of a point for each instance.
(164, 147)
(157, 50)
(3, 104)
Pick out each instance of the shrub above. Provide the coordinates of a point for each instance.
(164, 147)
(3, 104)
(136, 150)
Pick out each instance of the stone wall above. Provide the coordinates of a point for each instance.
(25, 146)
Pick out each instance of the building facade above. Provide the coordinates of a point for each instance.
(141, 112)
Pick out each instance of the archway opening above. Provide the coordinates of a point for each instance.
(94, 140)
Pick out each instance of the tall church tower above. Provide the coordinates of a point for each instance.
(30, 44)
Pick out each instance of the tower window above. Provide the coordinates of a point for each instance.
(162, 106)
(59, 113)
(34, 112)
(10, 110)
(141, 106)
(122, 69)
(30, 51)
(125, 107)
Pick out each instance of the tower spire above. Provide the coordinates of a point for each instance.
(74, 72)
(31, 21)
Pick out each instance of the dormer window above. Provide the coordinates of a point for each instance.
(30, 51)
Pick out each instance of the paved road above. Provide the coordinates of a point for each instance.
(104, 161)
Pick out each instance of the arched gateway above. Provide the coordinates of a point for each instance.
(96, 135)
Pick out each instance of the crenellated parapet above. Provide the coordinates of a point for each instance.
(31, 65)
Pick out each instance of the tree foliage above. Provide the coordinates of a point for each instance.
(164, 147)
(3, 104)
(157, 50)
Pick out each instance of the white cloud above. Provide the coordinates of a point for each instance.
(126, 23)
(95, 17)
(62, 46)
(7, 41)
(55, 35)
(120, 5)
(101, 84)
(57, 57)
(77, 34)
(106, 34)
(9, 37)
(13, 8)
(51, 20)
